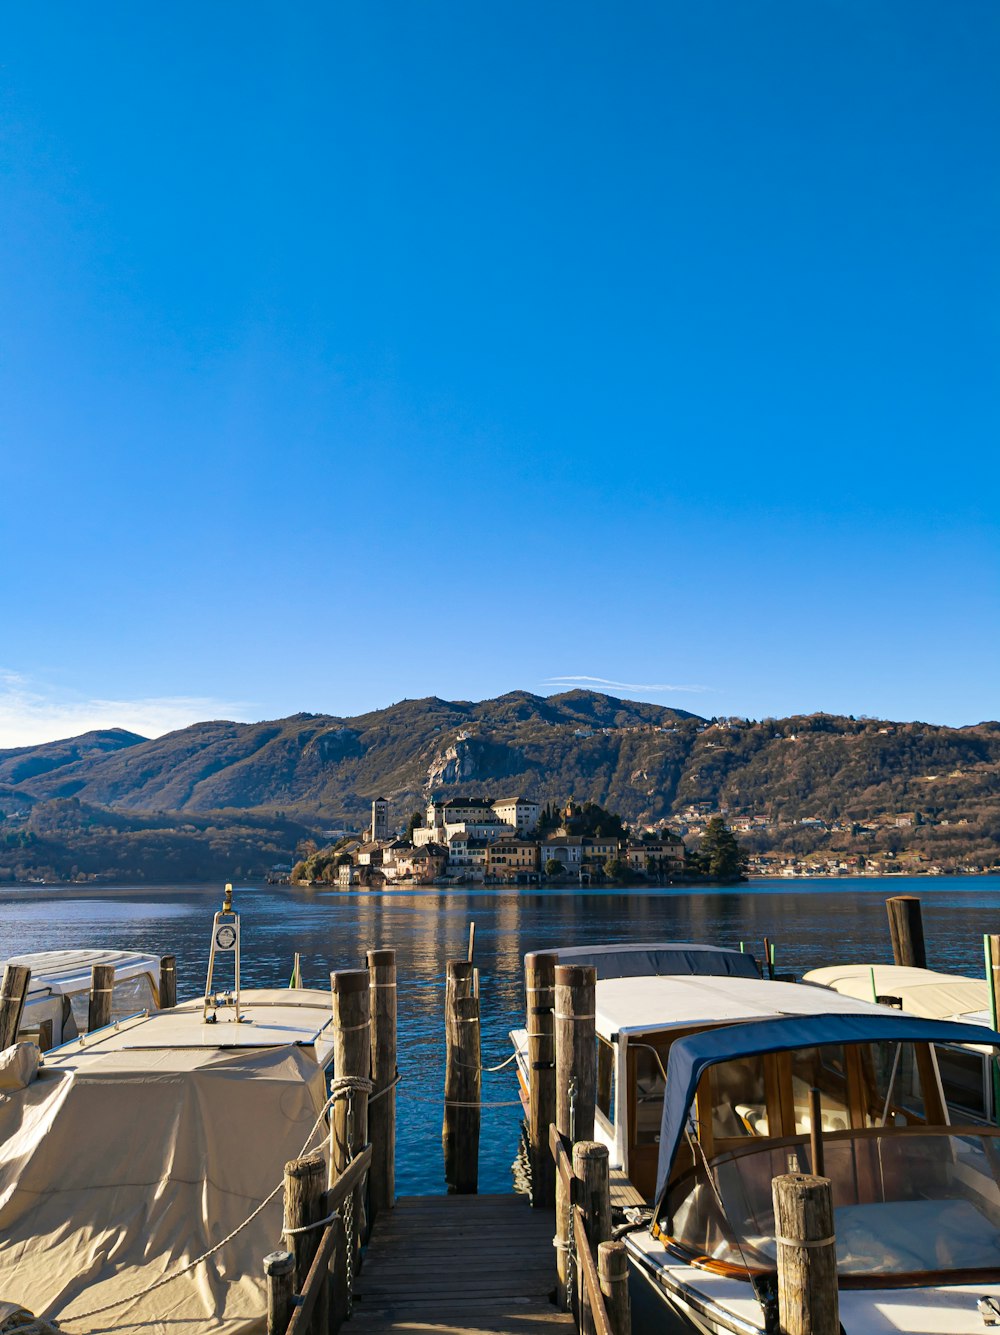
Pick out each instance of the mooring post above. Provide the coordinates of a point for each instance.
(168, 982)
(102, 985)
(612, 1270)
(576, 1049)
(539, 986)
(807, 1255)
(593, 1195)
(305, 1192)
(462, 1080)
(906, 929)
(279, 1271)
(349, 1123)
(576, 1080)
(382, 1110)
(13, 992)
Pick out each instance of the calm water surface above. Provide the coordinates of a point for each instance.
(812, 922)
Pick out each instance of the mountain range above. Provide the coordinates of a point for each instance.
(290, 779)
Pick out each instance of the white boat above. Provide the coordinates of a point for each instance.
(138, 1149)
(59, 989)
(703, 1097)
(968, 1071)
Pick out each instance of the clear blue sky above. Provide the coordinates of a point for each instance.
(360, 351)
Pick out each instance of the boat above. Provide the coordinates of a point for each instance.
(59, 990)
(133, 1152)
(968, 1071)
(704, 1096)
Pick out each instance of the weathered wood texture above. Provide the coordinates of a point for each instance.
(612, 1270)
(168, 982)
(382, 1112)
(279, 1272)
(592, 1318)
(906, 929)
(593, 1196)
(462, 1080)
(305, 1183)
(576, 1082)
(540, 995)
(13, 991)
(576, 1050)
(807, 1273)
(466, 1265)
(102, 986)
(349, 1122)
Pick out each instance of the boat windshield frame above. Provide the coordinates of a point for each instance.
(749, 1252)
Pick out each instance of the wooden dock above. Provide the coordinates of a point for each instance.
(465, 1264)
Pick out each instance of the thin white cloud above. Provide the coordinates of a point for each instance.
(32, 712)
(620, 685)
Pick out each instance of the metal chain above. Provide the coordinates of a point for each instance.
(349, 1231)
(349, 1212)
(572, 1111)
(570, 1260)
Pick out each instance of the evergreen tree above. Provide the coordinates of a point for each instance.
(719, 853)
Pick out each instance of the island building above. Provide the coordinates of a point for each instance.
(479, 839)
(380, 819)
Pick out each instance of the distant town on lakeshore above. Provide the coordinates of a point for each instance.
(809, 795)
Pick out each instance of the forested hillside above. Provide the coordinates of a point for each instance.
(280, 782)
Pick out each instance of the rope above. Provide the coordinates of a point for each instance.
(490, 1070)
(338, 1089)
(458, 1103)
(372, 1098)
(308, 1228)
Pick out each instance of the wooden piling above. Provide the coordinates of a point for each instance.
(906, 929)
(13, 991)
(279, 1270)
(576, 1084)
(382, 1111)
(807, 1255)
(576, 1049)
(102, 986)
(540, 982)
(593, 1195)
(168, 982)
(349, 1120)
(305, 1184)
(612, 1270)
(462, 1080)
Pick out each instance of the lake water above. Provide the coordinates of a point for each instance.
(811, 922)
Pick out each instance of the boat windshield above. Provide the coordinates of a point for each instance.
(907, 1201)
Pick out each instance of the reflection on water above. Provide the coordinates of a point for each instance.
(811, 922)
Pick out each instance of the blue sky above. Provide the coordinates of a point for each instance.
(354, 352)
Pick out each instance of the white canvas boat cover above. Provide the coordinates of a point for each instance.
(120, 1165)
(936, 996)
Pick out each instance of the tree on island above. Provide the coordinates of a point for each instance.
(416, 818)
(719, 853)
(616, 870)
(554, 867)
(593, 821)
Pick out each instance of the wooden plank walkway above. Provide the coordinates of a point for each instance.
(465, 1265)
